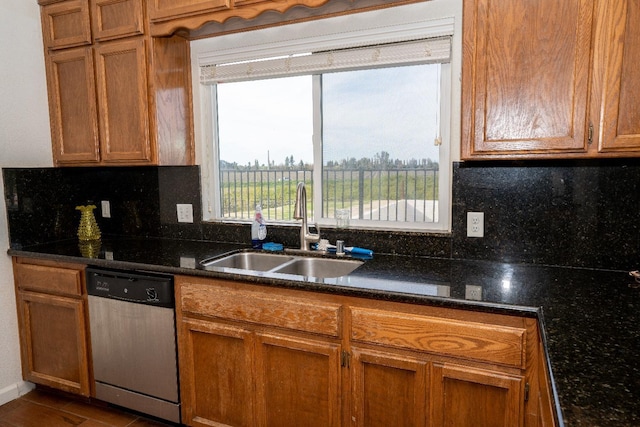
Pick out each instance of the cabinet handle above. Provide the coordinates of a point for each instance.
(590, 137)
(344, 360)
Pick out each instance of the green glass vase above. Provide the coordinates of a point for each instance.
(88, 228)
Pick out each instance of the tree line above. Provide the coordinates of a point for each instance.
(380, 161)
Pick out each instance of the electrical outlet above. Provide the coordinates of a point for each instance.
(105, 208)
(475, 224)
(473, 292)
(187, 262)
(185, 212)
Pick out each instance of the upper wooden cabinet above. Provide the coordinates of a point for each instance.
(121, 77)
(72, 106)
(66, 24)
(616, 60)
(168, 9)
(525, 77)
(116, 18)
(550, 79)
(124, 100)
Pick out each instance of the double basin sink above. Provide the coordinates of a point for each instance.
(308, 266)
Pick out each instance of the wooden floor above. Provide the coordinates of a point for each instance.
(41, 408)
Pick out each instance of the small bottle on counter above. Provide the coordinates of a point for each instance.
(258, 229)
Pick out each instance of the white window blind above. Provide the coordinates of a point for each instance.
(424, 51)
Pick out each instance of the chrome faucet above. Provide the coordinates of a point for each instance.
(300, 212)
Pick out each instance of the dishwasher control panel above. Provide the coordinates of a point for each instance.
(141, 288)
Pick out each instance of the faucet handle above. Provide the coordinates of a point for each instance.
(313, 237)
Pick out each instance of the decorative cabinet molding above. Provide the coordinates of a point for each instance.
(204, 18)
(168, 16)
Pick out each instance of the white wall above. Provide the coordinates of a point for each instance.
(25, 141)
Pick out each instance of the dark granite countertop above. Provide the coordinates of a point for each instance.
(590, 319)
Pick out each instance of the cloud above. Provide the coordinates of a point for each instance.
(364, 112)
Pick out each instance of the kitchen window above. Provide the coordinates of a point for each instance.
(361, 117)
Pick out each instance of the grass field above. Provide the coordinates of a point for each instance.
(358, 190)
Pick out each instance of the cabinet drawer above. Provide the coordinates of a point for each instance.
(116, 18)
(49, 279)
(490, 343)
(66, 24)
(260, 308)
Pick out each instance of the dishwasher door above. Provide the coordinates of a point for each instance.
(134, 355)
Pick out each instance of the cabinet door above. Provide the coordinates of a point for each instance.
(621, 79)
(297, 382)
(121, 72)
(72, 106)
(116, 18)
(525, 77)
(215, 374)
(54, 353)
(388, 390)
(470, 397)
(167, 9)
(66, 24)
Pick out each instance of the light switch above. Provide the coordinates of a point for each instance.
(185, 212)
(106, 209)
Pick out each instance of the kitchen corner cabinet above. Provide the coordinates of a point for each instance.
(120, 98)
(251, 355)
(548, 79)
(52, 320)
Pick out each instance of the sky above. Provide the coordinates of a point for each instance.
(364, 112)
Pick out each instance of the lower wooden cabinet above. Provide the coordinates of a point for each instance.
(216, 374)
(388, 389)
(468, 397)
(259, 356)
(52, 320)
(297, 379)
(237, 376)
(249, 359)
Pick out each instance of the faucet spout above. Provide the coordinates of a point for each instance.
(300, 212)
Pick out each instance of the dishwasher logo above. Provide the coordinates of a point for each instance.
(152, 295)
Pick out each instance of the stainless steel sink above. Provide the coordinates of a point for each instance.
(256, 261)
(309, 266)
(318, 267)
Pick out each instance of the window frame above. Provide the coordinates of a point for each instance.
(330, 33)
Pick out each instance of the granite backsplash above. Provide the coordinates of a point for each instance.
(569, 213)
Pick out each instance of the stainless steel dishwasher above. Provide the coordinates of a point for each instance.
(133, 341)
